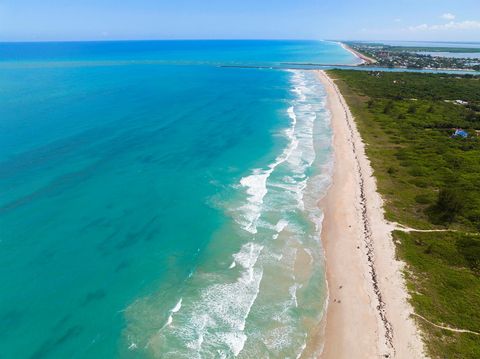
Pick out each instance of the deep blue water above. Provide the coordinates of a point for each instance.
(220, 52)
(153, 204)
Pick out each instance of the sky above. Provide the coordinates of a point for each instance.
(70, 20)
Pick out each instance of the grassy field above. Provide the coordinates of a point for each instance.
(429, 180)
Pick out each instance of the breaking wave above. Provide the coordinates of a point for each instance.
(266, 298)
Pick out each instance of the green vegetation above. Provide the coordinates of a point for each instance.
(417, 57)
(407, 121)
(445, 286)
(466, 50)
(463, 50)
(429, 180)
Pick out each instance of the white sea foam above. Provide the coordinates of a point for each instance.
(177, 306)
(227, 305)
(256, 183)
(199, 325)
(173, 311)
(279, 338)
(277, 201)
(293, 293)
(218, 316)
(248, 255)
(302, 348)
(235, 341)
(289, 190)
(281, 225)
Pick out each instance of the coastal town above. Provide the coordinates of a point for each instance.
(382, 55)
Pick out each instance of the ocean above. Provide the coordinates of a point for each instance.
(155, 204)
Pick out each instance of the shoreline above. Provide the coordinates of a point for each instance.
(366, 60)
(368, 314)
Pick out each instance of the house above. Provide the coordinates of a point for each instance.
(460, 133)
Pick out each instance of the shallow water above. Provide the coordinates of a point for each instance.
(159, 208)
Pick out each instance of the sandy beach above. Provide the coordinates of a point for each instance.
(368, 314)
(365, 59)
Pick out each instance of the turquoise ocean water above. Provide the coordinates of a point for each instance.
(156, 205)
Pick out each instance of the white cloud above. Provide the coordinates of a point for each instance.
(421, 27)
(451, 25)
(448, 16)
(398, 20)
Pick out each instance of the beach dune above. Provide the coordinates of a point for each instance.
(368, 313)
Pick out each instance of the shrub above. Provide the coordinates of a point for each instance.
(449, 204)
(420, 182)
(423, 199)
(418, 171)
(470, 249)
(391, 170)
(388, 107)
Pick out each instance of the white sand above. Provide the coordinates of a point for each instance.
(368, 313)
(365, 59)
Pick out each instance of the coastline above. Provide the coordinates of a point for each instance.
(368, 313)
(366, 60)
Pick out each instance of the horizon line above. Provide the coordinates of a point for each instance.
(225, 39)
